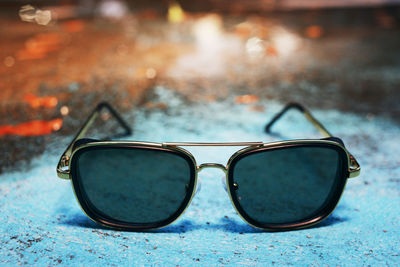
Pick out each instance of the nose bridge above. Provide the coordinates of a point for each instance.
(212, 165)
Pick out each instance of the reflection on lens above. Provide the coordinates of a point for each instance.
(134, 185)
(287, 185)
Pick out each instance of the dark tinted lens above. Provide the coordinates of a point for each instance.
(287, 185)
(134, 185)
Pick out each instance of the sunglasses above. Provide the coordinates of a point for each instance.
(282, 185)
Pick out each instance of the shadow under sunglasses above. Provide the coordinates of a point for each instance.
(226, 224)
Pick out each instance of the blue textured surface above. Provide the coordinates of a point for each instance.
(42, 224)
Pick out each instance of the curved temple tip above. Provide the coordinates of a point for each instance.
(305, 112)
(123, 124)
(268, 128)
(102, 105)
(283, 111)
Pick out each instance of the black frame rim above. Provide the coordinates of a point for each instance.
(116, 224)
(301, 223)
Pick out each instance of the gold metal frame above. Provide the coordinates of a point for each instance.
(63, 170)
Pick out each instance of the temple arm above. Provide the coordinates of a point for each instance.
(354, 168)
(305, 112)
(64, 160)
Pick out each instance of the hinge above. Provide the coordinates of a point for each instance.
(63, 168)
(354, 168)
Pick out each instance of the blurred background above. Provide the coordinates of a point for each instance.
(58, 59)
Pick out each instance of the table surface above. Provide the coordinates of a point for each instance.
(42, 224)
(210, 77)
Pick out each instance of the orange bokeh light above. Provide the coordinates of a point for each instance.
(38, 46)
(74, 25)
(271, 50)
(314, 31)
(36, 102)
(246, 99)
(32, 128)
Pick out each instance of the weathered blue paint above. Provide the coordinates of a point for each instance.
(42, 224)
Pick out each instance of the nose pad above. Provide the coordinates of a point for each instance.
(223, 180)
(198, 188)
